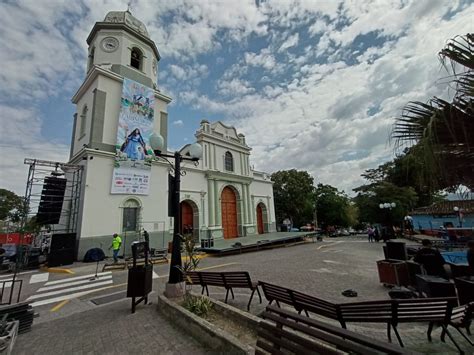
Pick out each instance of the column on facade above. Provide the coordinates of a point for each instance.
(210, 200)
(244, 204)
(217, 205)
(250, 206)
(214, 156)
(269, 211)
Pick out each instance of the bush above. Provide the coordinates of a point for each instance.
(198, 305)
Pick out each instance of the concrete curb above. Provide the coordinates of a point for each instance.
(57, 270)
(206, 333)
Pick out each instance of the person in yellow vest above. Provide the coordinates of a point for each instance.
(116, 244)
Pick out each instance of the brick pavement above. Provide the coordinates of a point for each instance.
(109, 329)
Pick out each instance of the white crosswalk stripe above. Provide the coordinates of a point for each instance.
(74, 283)
(68, 279)
(37, 278)
(69, 288)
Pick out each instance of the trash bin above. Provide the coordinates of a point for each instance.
(140, 277)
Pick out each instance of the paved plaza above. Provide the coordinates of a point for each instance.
(323, 269)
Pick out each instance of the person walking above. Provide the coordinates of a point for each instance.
(116, 244)
(370, 233)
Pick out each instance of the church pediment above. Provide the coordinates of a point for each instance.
(222, 130)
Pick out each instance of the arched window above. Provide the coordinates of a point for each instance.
(229, 161)
(131, 213)
(83, 121)
(136, 58)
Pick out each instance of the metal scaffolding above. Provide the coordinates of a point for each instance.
(41, 169)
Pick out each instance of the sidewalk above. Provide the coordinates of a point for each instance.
(109, 329)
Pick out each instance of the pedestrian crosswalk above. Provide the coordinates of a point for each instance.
(69, 288)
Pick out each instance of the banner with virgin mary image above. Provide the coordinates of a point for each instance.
(132, 170)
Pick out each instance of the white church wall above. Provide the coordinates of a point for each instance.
(113, 88)
(262, 191)
(102, 57)
(81, 138)
(194, 188)
(103, 212)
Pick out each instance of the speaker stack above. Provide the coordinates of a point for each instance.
(62, 250)
(51, 203)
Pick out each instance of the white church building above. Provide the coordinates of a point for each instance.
(221, 196)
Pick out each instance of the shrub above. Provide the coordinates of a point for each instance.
(198, 305)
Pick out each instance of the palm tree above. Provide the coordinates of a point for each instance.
(441, 133)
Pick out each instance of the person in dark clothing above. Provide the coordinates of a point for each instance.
(431, 259)
(470, 256)
(376, 234)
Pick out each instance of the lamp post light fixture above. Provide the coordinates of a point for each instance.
(194, 153)
(459, 213)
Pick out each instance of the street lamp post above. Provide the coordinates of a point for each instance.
(459, 213)
(194, 154)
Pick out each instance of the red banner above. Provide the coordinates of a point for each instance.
(14, 238)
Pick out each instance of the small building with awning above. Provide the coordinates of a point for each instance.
(457, 214)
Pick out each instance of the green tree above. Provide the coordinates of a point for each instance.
(370, 196)
(293, 192)
(334, 207)
(12, 206)
(440, 130)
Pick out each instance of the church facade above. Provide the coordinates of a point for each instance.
(221, 196)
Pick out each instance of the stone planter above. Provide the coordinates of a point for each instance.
(207, 333)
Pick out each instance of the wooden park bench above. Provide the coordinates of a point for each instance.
(286, 332)
(229, 280)
(391, 312)
(462, 318)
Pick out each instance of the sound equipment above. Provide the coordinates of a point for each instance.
(63, 241)
(395, 251)
(61, 257)
(62, 250)
(51, 203)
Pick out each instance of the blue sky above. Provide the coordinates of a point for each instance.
(314, 85)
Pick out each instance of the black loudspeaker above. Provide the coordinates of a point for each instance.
(61, 257)
(51, 203)
(62, 250)
(396, 251)
(63, 241)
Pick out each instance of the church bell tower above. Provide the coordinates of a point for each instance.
(119, 47)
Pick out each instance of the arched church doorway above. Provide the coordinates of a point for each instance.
(262, 218)
(189, 218)
(229, 213)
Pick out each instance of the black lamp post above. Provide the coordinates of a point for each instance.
(194, 153)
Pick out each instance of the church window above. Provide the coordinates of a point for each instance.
(229, 161)
(136, 58)
(83, 121)
(131, 212)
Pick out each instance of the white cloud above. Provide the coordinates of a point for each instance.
(320, 122)
(264, 59)
(178, 123)
(20, 138)
(289, 42)
(234, 87)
